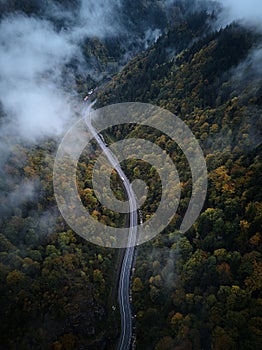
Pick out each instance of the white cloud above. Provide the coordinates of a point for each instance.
(92, 18)
(248, 11)
(99, 17)
(23, 192)
(34, 54)
(32, 58)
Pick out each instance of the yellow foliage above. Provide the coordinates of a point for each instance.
(256, 239)
(176, 318)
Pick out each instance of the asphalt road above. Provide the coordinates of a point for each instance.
(124, 279)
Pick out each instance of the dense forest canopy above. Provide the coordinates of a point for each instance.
(200, 290)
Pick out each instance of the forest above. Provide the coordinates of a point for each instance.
(202, 290)
(199, 290)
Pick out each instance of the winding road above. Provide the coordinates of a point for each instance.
(124, 279)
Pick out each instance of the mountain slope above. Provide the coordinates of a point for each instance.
(198, 291)
(203, 290)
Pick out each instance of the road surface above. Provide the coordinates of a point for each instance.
(124, 279)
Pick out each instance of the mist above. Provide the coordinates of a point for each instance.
(247, 12)
(42, 49)
(32, 58)
(37, 87)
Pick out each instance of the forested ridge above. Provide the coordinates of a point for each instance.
(200, 290)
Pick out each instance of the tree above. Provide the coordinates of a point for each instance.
(137, 285)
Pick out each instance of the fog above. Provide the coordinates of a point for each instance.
(41, 46)
(32, 58)
(249, 12)
(23, 192)
(34, 65)
(87, 18)
(37, 86)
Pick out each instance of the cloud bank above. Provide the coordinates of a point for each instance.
(32, 59)
(37, 50)
(249, 12)
(36, 53)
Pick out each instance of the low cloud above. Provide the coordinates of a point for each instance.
(100, 18)
(37, 88)
(33, 56)
(23, 192)
(248, 12)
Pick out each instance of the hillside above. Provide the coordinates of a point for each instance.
(200, 290)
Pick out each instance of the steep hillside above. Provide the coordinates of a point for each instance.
(202, 290)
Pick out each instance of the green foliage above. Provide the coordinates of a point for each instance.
(197, 291)
(209, 296)
(56, 283)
